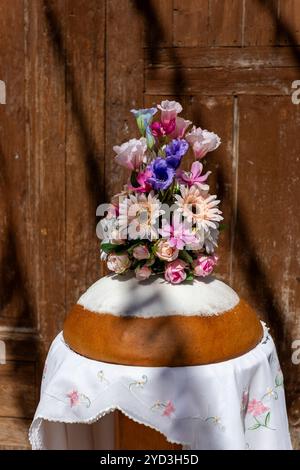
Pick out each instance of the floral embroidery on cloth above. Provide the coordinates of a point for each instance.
(77, 398)
(139, 383)
(167, 408)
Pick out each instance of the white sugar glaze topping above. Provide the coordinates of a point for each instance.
(125, 296)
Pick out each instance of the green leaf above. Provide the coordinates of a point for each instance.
(183, 254)
(113, 248)
(190, 277)
(108, 247)
(267, 418)
(279, 380)
(255, 426)
(223, 227)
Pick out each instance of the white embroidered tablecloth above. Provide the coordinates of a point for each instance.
(236, 404)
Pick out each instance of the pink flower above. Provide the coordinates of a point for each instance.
(175, 271)
(118, 263)
(178, 235)
(256, 407)
(181, 126)
(131, 154)
(141, 252)
(142, 273)
(169, 110)
(166, 252)
(194, 176)
(144, 186)
(204, 265)
(160, 129)
(202, 141)
(74, 397)
(169, 409)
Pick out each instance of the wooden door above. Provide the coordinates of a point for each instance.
(71, 70)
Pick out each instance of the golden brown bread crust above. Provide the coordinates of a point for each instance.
(174, 340)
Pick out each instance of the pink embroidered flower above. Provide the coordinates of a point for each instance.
(256, 407)
(142, 273)
(118, 263)
(169, 409)
(202, 141)
(74, 397)
(140, 252)
(144, 186)
(178, 235)
(169, 110)
(165, 251)
(160, 129)
(132, 153)
(175, 271)
(204, 265)
(181, 126)
(194, 176)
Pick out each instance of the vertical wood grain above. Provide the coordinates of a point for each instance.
(124, 84)
(191, 21)
(50, 148)
(261, 22)
(289, 17)
(85, 82)
(226, 22)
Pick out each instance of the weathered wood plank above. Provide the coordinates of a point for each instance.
(226, 22)
(276, 81)
(289, 22)
(265, 267)
(14, 434)
(124, 79)
(85, 30)
(224, 57)
(191, 20)
(20, 346)
(261, 19)
(15, 302)
(50, 147)
(17, 389)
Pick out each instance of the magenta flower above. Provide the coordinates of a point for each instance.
(169, 409)
(160, 129)
(178, 235)
(175, 271)
(74, 397)
(204, 265)
(144, 185)
(256, 407)
(194, 176)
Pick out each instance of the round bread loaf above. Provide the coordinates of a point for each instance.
(154, 323)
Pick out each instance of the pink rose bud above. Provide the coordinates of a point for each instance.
(142, 273)
(175, 271)
(204, 265)
(141, 252)
(118, 263)
(166, 252)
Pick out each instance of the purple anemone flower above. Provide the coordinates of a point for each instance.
(162, 174)
(175, 151)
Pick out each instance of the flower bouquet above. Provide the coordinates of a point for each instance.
(164, 221)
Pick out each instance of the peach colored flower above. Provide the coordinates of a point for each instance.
(140, 252)
(142, 273)
(199, 207)
(118, 263)
(175, 271)
(166, 252)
